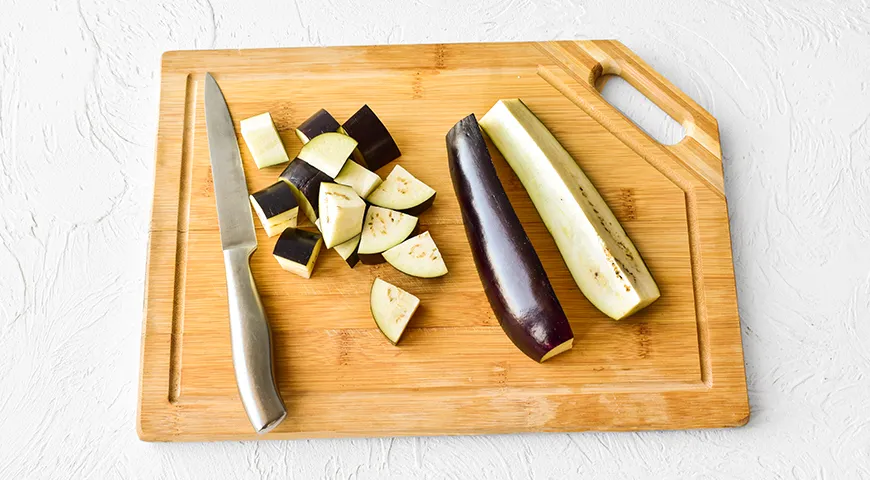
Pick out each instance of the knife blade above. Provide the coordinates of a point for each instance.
(249, 329)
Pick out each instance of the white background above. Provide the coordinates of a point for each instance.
(790, 86)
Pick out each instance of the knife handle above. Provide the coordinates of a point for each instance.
(251, 344)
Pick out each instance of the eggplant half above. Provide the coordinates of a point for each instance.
(305, 182)
(417, 256)
(403, 192)
(392, 309)
(513, 278)
(263, 140)
(276, 207)
(327, 152)
(376, 146)
(602, 259)
(320, 122)
(297, 250)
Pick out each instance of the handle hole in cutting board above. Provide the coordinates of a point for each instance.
(640, 110)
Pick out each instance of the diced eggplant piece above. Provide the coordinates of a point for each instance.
(341, 213)
(362, 180)
(417, 256)
(348, 251)
(296, 250)
(382, 230)
(376, 146)
(402, 192)
(276, 206)
(602, 259)
(392, 309)
(263, 140)
(320, 122)
(327, 152)
(513, 278)
(305, 182)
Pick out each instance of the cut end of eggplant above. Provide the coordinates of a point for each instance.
(401, 191)
(348, 251)
(297, 250)
(276, 207)
(341, 213)
(263, 140)
(319, 123)
(328, 152)
(305, 182)
(561, 348)
(384, 229)
(417, 256)
(602, 259)
(392, 309)
(376, 146)
(362, 180)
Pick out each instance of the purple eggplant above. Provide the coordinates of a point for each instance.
(513, 278)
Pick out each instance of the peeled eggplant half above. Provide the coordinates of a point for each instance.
(296, 250)
(320, 122)
(341, 213)
(328, 152)
(276, 207)
(362, 180)
(383, 229)
(263, 140)
(376, 146)
(305, 182)
(402, 192)
(602, 259)
(392, 309)
(417, 256)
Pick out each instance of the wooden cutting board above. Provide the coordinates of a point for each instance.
(678, 364)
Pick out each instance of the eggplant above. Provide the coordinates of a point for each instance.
(362, 180)
(513, 278)
(305, 182)
(276, 207)
(263, 140)
(401, 191)
(383, 229)
(341, 213)
(327, 152)
(297, 250)
(392, 309)
(602, 259)
(320, 122)
(376, 146)
(348, 251)
(417, 256)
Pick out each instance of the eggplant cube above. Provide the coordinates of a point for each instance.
(328, 152)
(276, 207)
(392, 309)
(362, 180)
(263, 140)
(417, 256)
(305, 182)
(320, 122)
(348, 251)
(341, 213)
(296, 251)
(384, 229)
(402, 192)
(376, 146)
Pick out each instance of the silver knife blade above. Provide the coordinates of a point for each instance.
(230, 190)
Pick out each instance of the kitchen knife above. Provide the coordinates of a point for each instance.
(249, 329)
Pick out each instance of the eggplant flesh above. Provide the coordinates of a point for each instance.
(321, 122)
(513, 277)
(305, 181)
(376, 146)
(602, 259)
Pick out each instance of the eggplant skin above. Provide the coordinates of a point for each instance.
(320, 122)
(513, 278)
(376, 146)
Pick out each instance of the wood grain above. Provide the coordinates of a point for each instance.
(677, 364)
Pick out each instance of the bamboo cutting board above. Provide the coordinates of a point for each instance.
(677, 364)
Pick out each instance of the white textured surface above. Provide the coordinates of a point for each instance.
(790, 86)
